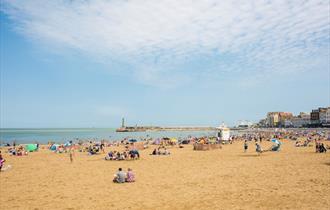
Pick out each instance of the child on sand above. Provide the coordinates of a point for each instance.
(245, 145)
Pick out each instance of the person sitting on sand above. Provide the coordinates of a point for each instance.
(130, 175)
(154, 152)
(132, 154)
(121, 156)
(276, 147)
(120, 176)
(2, 160)
(322, 148)
(136, 153)
(166, 152)
(110, 156)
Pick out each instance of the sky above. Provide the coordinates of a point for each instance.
(83, 63)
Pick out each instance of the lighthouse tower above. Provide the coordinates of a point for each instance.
(123, 122)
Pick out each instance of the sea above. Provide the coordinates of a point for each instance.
(62, 135)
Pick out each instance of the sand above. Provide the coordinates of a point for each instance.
(227, 178)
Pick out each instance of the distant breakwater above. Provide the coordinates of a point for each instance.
(157, 128)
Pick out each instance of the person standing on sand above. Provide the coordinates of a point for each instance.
(245, 145)
(71, 153)
(102, 145)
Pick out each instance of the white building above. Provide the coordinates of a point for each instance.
(327, 117)
(302, 120)
(323, 116)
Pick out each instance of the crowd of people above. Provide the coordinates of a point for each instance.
(301, 138)
(18, 151)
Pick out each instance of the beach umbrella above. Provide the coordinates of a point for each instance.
(132, 140)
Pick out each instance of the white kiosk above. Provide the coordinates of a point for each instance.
(224, 133)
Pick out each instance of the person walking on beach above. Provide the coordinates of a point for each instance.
(245, 145)
(258, 149)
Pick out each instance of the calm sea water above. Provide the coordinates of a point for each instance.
(65, 134)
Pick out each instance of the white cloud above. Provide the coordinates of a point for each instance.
(151, 35)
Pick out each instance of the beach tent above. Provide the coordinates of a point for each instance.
(157, 141)
(31, 147)
(67, 144)
(54, 147)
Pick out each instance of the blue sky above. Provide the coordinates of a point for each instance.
(89, 63)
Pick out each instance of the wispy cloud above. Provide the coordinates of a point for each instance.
(162, 38)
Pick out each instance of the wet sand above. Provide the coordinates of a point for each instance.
(227, 178)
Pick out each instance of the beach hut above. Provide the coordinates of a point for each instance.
(31, 147)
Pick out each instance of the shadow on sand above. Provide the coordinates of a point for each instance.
(250, 155)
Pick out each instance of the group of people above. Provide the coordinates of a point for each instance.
(122, 177)
(18, 151)
(275, 147)
(304, 144)
(160, 151)
(320, 148)
(126, 155)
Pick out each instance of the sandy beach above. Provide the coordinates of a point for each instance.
(227, 178)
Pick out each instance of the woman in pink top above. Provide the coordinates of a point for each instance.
(130, 176)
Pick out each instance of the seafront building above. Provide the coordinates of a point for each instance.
(319, 117)
(327, 118)
(278, 119)
(301, 120)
